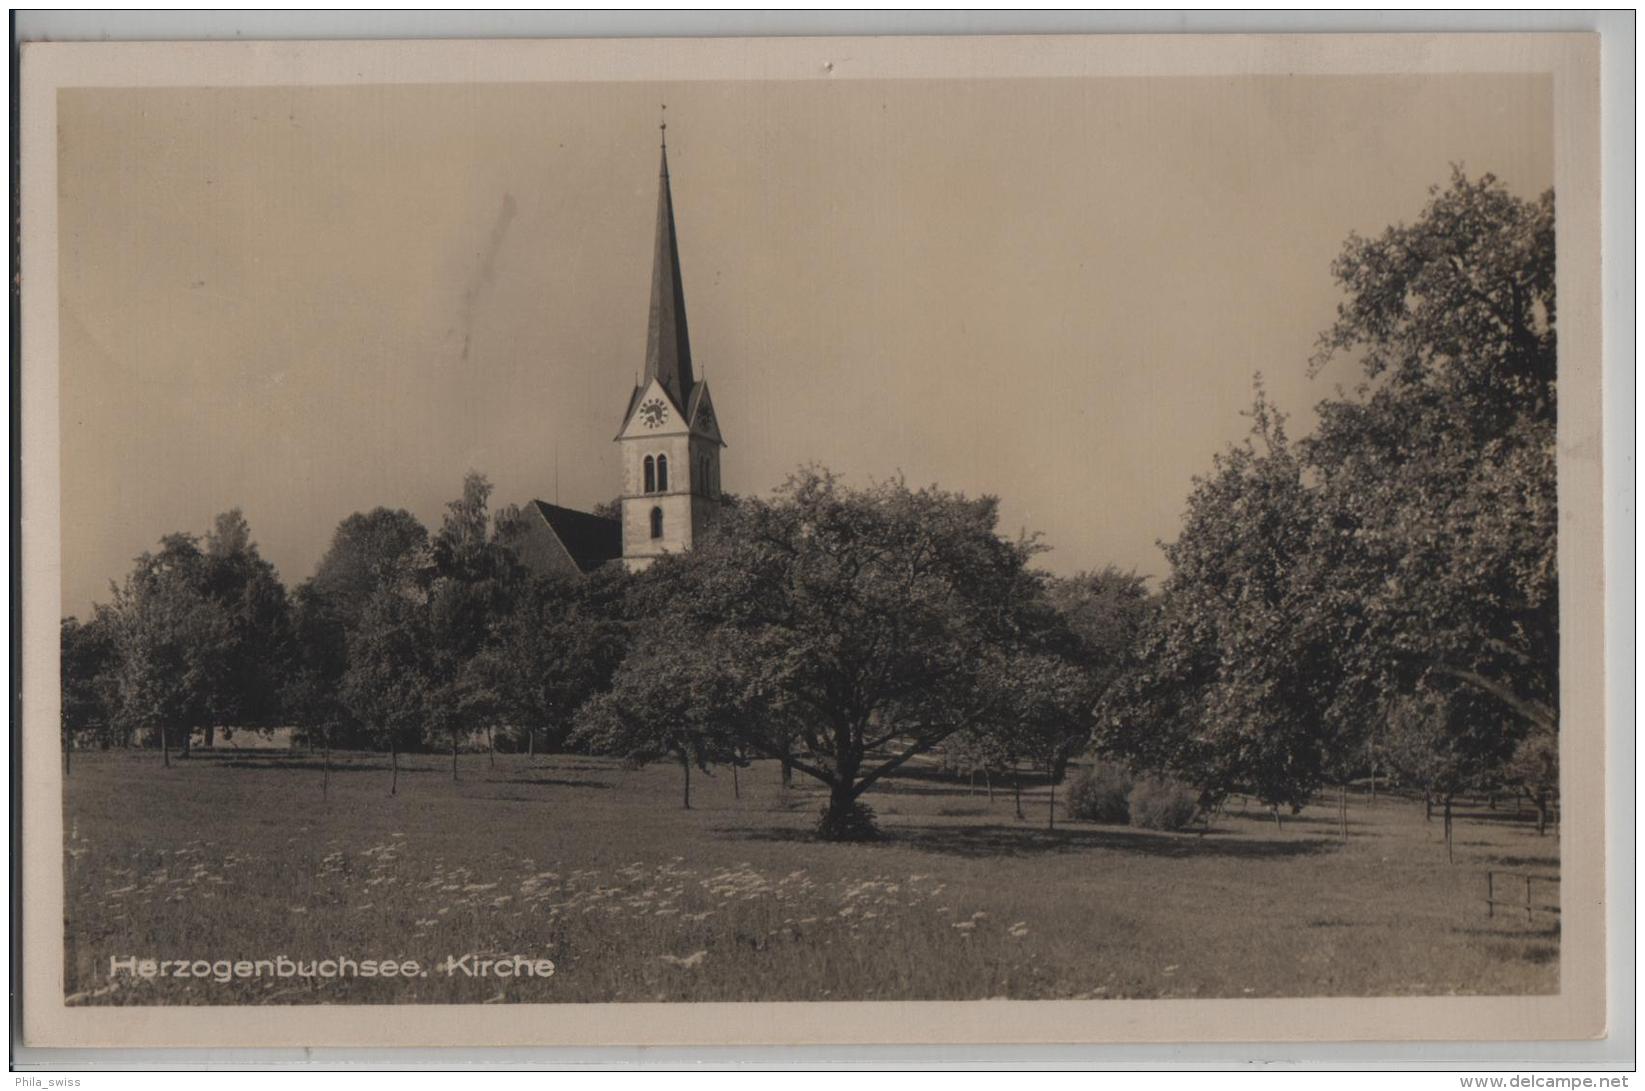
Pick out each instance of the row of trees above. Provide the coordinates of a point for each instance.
(400, 641)
(1380, 595)
(1383, 593)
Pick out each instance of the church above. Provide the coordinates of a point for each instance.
(670, 442)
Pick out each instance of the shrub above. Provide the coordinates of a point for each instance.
(1159, 803)
(1097, 794)
(856, 824)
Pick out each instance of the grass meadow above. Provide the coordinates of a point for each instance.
(597, 867)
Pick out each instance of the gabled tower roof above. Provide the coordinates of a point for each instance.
(667, 343)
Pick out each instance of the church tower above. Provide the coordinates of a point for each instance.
(670, 437)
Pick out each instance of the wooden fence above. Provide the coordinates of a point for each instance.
(1500, 881)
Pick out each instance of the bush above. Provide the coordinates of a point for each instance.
(856, 824)
(1097, 794)
(1158, 803)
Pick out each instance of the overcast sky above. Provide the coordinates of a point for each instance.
(310, 302)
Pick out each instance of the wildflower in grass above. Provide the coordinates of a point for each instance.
(964, 926)
(689, 962)
(1019, 930)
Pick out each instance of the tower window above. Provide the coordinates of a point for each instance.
(650, 474)
(656, 522)
(662, 473)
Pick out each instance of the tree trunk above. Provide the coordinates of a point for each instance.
(68, 749)
(973, 780)
(1449, 855)
(845, 819)
(188, 740)
(454, 756)
(211, 736)
(165, 745)
(491, 746)
(394, 764)
(530, 742)
(1344, 810)
(1541, 813)
(1016, 786)
(1051, 808)
(736, 785)
(1278, 823)
(325, 776)
(788, 770)
(1427, 805)
(988, 778)
(685, 763)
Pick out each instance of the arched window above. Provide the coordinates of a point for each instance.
(650, 474)
(662, 473)
(656, 522)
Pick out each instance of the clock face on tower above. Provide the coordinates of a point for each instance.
(653, 412)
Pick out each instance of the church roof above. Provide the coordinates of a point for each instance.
(590, 540)
(667, 343)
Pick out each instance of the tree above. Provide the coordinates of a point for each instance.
(1436, 478)
(370, 552)
(171, 641)
(1236, 680)
(260, 652)
(880, 621)
(387, 683)
(672, 697)
(88, 666)
(474, 576)
(1396, 567)
(559, 642)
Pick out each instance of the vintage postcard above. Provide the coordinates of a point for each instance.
(812, 540)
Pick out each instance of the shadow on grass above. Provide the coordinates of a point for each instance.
(552, 782)
(1535, 931)
(997, 841)
(1527, 861)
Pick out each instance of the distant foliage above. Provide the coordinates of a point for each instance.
(1160, 803)
(1099, 794)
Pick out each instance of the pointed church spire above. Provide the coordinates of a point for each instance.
(667, 343)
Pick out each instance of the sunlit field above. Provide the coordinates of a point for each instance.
(239, 856)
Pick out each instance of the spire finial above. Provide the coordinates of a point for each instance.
(662, 126)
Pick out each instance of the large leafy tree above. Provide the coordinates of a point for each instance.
(88, 671)
(1236, 677)
(877, 622)
(172, 643)
(558, 642)
(475, 577)
(370, 553)
(390, 677)
(673, 697)
(1394, 571)
(1436, 477)
(260, 652)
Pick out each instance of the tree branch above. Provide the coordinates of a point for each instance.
(1534, 711)
(803, 766)
(919, 747)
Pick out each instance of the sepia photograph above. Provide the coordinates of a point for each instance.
(837, 537)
